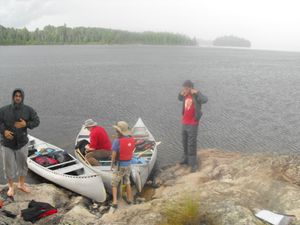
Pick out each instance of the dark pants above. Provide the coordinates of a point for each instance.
(189, 141)
(94, 156)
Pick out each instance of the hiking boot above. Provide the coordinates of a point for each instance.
(194, 169)
(193, 163)
(183, 160)
(113, 208)
(127, 201)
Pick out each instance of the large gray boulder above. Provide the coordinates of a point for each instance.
(228, 189)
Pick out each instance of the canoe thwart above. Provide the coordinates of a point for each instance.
(69, 169)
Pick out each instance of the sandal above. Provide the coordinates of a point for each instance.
(127, 201)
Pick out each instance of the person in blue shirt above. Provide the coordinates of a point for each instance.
(122, 153)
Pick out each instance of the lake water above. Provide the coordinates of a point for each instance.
(254, 96)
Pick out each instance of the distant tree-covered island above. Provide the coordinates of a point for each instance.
(231, 41)
(86, 35)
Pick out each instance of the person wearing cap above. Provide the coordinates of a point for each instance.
(100, 144)
(123, 146)
(192, 100)
(14, 121)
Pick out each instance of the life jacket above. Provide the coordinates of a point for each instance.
(37, 210)
(127, 146)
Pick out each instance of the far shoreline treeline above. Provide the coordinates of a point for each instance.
(231, 41)
(88, 35)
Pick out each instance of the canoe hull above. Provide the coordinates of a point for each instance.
(139, 172)
(88, 184)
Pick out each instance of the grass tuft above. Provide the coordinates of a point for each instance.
(184, 211)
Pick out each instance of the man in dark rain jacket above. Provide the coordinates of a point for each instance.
(14, 121)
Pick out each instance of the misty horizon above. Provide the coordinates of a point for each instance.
(270, 25)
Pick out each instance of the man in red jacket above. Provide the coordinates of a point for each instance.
(192, 101)
(100, 145)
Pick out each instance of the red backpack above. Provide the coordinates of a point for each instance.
(45, 160)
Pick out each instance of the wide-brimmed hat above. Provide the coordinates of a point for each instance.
(123, 128)
(90, 123)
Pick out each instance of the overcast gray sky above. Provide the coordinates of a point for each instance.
(268, 24)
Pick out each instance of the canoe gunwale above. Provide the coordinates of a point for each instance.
(62, 174)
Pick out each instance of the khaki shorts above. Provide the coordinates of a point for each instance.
(123, 172)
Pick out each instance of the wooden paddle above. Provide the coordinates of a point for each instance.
(140, 154)
(82, 156)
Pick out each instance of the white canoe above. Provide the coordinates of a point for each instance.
(70, 174)
(139, 172)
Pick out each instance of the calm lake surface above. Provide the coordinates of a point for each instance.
(254, 96)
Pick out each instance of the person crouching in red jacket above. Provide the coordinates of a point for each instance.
(100, 144)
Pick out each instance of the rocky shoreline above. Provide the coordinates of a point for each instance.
(227, 190)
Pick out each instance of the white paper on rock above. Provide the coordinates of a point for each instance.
(274, 218)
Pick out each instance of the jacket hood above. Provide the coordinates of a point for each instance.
(18, 90)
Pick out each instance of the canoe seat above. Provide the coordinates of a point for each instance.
(108, 159)
(69, 169)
